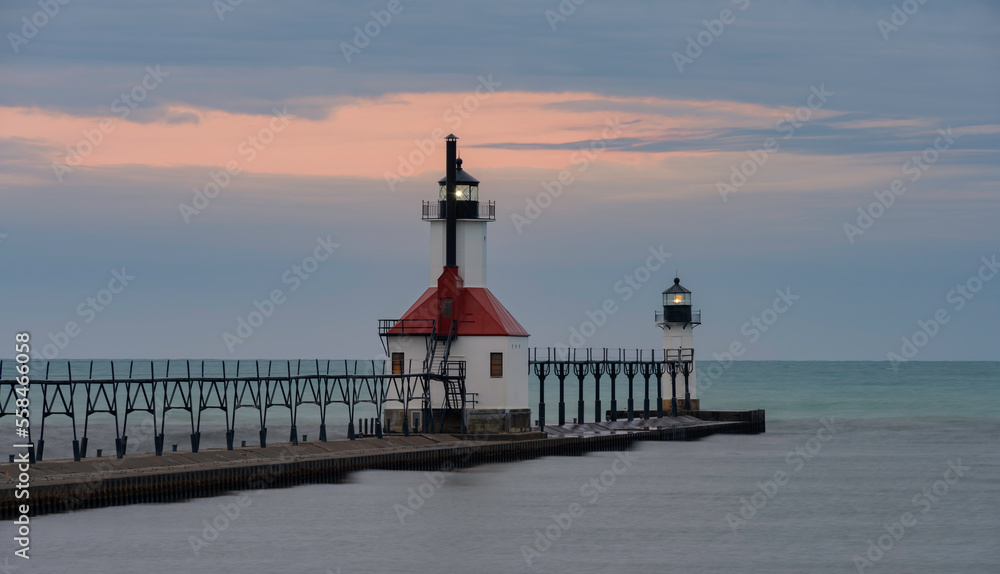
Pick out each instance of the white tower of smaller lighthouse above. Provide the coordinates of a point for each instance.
(678, 322)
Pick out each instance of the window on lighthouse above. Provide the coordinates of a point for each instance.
(676, 299)
(463, 192)
(496, 365)
(397, 363)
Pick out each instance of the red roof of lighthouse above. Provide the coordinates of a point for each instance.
(481, 313)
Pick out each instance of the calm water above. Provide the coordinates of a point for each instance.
(669, 507)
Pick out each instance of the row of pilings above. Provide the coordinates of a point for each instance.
(168, 485)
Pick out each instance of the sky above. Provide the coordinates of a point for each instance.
(823, 176)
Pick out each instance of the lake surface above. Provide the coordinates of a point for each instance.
(850, 449)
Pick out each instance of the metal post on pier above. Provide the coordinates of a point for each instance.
(86, 412)
(119, 442)
(465, 412)
(323, 401)
(426, 416)
(562, 371)
(380, 386)
(688, 367)
(195, 435)
(41, 438)
(658, 371)
(542, 370)
(293, 390)
(231, 430)
(72, 387)
(672, 366)
(263, 402)
(597, 368)
(631, 369)
(350, 405)
(580, 369)
(646, 368)
(405, 389)
(614, 368)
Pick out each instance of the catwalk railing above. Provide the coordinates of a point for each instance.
(156, 389)
(597, 363)
(160, 390)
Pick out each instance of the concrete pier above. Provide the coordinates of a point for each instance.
(64, 485)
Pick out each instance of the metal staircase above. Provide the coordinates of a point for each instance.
(453, 394)
(438, 351)
(437, 354)
(451, 374)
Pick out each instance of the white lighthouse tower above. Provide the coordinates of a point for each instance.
(678, 322)
(473, 351)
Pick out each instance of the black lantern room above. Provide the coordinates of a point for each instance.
(466, 193)
(677, 304)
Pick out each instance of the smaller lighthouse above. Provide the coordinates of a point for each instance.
(678, 322)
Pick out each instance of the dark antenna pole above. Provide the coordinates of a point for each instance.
(450, 206)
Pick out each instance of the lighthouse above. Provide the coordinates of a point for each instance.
(472, 352)
(678, 322)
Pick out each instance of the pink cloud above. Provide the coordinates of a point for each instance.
(368, 137)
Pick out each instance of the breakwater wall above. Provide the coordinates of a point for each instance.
(60, 486)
